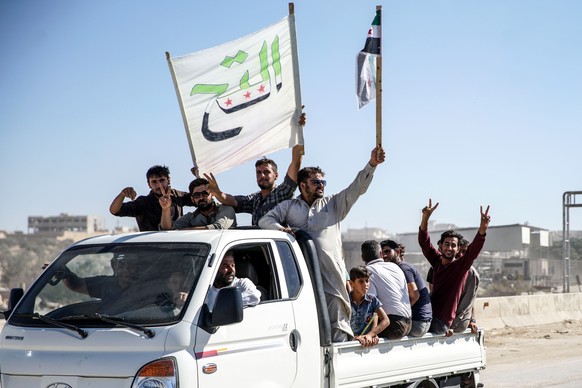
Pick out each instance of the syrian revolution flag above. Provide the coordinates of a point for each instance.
(240, 100)
(366, 63)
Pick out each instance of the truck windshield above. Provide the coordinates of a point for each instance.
(140, 284)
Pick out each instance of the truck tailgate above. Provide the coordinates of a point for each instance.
(409, 359)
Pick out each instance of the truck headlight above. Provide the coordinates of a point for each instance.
(157, 374)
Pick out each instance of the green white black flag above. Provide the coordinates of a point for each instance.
(366, 63)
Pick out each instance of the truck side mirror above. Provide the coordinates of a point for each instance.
(15, 296)
(228, 308)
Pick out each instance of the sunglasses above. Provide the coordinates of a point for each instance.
(318, 182)
(200, 194)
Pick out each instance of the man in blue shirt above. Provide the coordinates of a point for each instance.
(365, 308)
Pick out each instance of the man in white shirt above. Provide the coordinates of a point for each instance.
(388, 283)
(226, 277)
(320, 216)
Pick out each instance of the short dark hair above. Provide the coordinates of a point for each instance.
(305, 172)
(371, 250)
(463, 242)
(390, 244)
(359, 272)
(161, 171)
(263, 161)
(195, 183)
(450, 233)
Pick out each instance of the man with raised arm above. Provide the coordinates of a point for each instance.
(208, 214)
(320, 217)
(448, 273)
(259, 203)
(146, 208)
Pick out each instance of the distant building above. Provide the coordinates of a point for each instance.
(353, 239)
(365, 234)
(125, 229)
(58, 225)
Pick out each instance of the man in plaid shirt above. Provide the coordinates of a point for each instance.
(258, 204)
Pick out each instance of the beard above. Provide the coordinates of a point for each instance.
(204, 205)
(265, 185)
(223, 280)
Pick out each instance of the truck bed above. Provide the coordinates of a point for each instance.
(407, 360)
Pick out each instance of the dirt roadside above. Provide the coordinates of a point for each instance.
(527, 344)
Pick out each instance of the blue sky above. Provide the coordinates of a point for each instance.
(481, 104)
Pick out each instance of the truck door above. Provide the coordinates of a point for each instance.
(259, 351)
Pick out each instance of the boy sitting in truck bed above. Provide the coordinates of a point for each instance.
(368, 317)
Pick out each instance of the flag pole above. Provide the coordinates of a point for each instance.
(184, 118)
(379, 87)
(298, 105)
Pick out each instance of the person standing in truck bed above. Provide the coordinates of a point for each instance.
(448, 274)
(208, 214)
(146, 208)
(320, 217)
(260, 203)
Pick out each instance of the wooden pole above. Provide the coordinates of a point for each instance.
(301, 144)
(379, 87)
(183, 111)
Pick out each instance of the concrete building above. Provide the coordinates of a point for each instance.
(58, 225)
(365, 234)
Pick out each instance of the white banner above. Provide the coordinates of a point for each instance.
(241, 100)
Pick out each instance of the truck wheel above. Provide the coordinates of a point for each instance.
(429, 383)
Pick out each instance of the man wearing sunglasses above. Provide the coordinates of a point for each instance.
(320, 216)
(208, 215)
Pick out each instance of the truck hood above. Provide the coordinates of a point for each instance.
(112, 352)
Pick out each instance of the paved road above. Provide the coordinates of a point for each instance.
(548, 373)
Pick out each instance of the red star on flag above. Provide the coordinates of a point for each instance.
(247, 95)
(261, 89)
(228, 102)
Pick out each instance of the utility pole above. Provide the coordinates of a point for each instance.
(568, 201)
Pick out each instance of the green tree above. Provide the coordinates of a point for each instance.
(575, 249)
(22, 258)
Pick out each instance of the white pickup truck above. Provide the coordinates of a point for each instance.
(147, 325)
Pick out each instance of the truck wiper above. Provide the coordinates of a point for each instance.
(121, 322)
(46, 319)
(110, 319)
